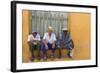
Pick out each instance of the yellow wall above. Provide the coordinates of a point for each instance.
(25, 33)
(80, 33)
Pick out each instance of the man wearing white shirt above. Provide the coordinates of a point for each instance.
(34, 43)
(49, 42)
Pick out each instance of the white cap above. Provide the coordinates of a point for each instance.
(65, 29)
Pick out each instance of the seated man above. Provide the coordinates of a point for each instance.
(34, 43)
(67, 42)
(49, 42)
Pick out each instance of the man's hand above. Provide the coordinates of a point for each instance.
(35, 42)
(46, 46)
(45, 42)
(53, 45)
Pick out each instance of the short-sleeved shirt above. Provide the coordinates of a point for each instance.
(31, 37)
(50, 39)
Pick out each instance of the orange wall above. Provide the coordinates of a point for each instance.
(25, 32)
(80, 33)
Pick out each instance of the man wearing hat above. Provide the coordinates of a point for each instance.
(67, 42)
(49, 42)
(34, 43)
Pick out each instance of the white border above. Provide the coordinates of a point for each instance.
(21, 65)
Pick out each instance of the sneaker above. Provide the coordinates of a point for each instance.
(69, 56)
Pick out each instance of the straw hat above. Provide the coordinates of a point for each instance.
(50, 28)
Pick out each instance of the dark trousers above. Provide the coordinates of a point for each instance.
(32, 47)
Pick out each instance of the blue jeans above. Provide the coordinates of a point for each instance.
(44, 49)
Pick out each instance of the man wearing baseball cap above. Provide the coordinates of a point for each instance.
(67, 42)
(34, 43)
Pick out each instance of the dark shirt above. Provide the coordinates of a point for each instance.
(66, 41)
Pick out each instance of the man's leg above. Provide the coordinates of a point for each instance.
(52, 49)
(53, 52)
(38, 51)
(44, 50)
(31, 47)
(70, 53)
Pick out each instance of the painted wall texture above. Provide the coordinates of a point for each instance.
(80, 33)
(79, 27)
(25, 33)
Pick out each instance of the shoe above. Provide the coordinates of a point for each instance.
(69, 56)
